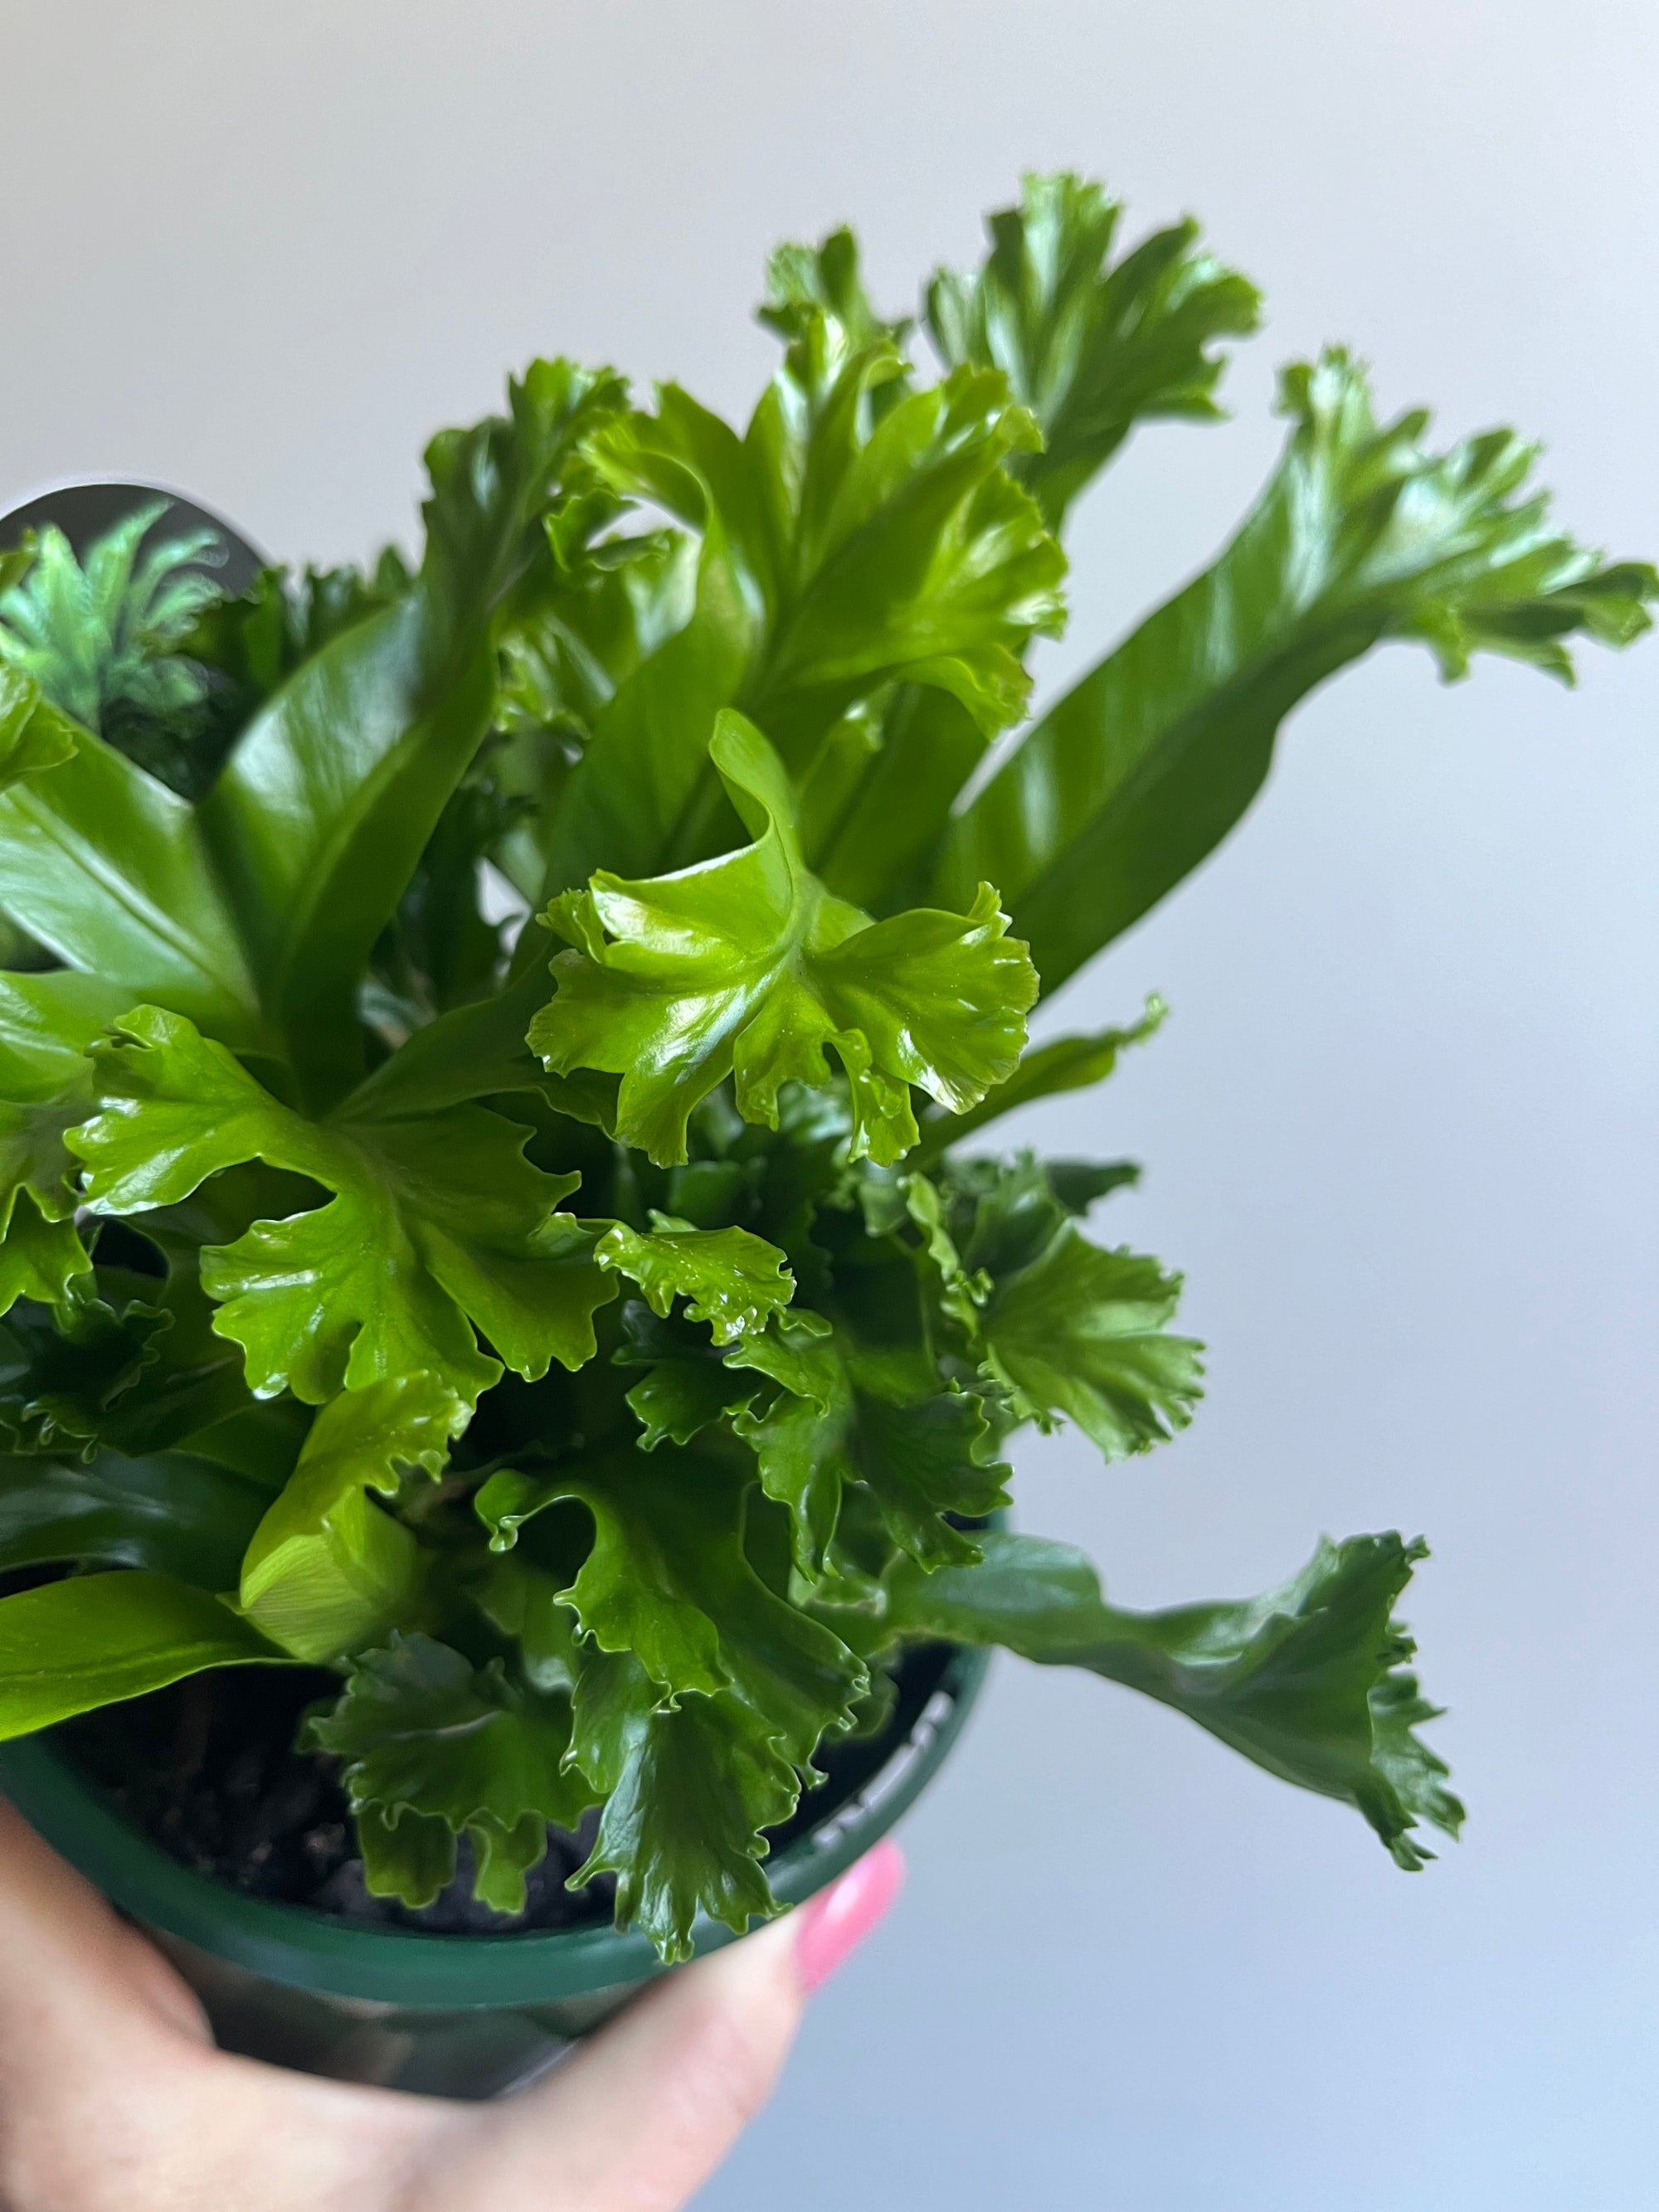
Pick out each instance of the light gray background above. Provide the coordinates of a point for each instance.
(1401, 1128)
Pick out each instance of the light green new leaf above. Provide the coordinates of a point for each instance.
(327, 1570)
(427, 1739)
(17, 561)
(691, 1789)
(816, 294)
(96, 1639)
(1311, 1680)
(746, 966)
(859, 534)
(438, 1225)
(34, 736)
(730, 1280)
(668, 1579)
(1129, 781)
(1090, 346)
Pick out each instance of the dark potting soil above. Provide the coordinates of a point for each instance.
(208, 1769)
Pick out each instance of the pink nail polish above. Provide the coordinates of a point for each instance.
(835, 1921)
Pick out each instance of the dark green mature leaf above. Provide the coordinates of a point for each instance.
(1066, 1063)
(523, 1603)
(854, 1413)
(430, 1744)
(327, 1570)
(746, 966)
(329, 796)
(91, 1641)
(690, 1790)
(1131, 778)
(850, 539)
(1081, 1332)
(679, 1398)
(1310, 1681)
(668, 1580)
(65, 1372)
(1061, 1328)
(172, 1512)
(191, 1380)
(437, 1225)
(1090, 346)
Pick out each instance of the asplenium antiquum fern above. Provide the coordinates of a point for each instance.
(601, 1350)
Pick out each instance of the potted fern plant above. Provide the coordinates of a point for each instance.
(514, 1309)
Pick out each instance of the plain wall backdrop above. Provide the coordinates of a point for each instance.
(1399, 1130)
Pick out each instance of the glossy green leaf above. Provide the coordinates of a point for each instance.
(172, 1512)
(1362, 534)
(596, 603)
(668, 1580)
(746, 966)
(32, 735)
(1081, 1332)
(1091, 346)
(728, 1279)
(859, 533)
(1311, 1680)
(809, 288)
(329, 798)
(425, 1737)
(327, 1570)
(437, 1227)
(96, 1639)
(109, 870)
(679, 1398)
(691, 1789)
(878, 847)
(852, 1414)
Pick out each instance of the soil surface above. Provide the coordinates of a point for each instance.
(208, 1769)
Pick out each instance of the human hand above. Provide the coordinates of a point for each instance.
(113, 2099)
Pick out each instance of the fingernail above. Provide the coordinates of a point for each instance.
(838, 1920)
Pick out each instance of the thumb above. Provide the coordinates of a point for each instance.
(644, 2112)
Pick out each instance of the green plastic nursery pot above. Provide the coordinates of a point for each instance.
(449, 2015)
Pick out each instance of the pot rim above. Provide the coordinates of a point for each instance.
(309, 1949)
